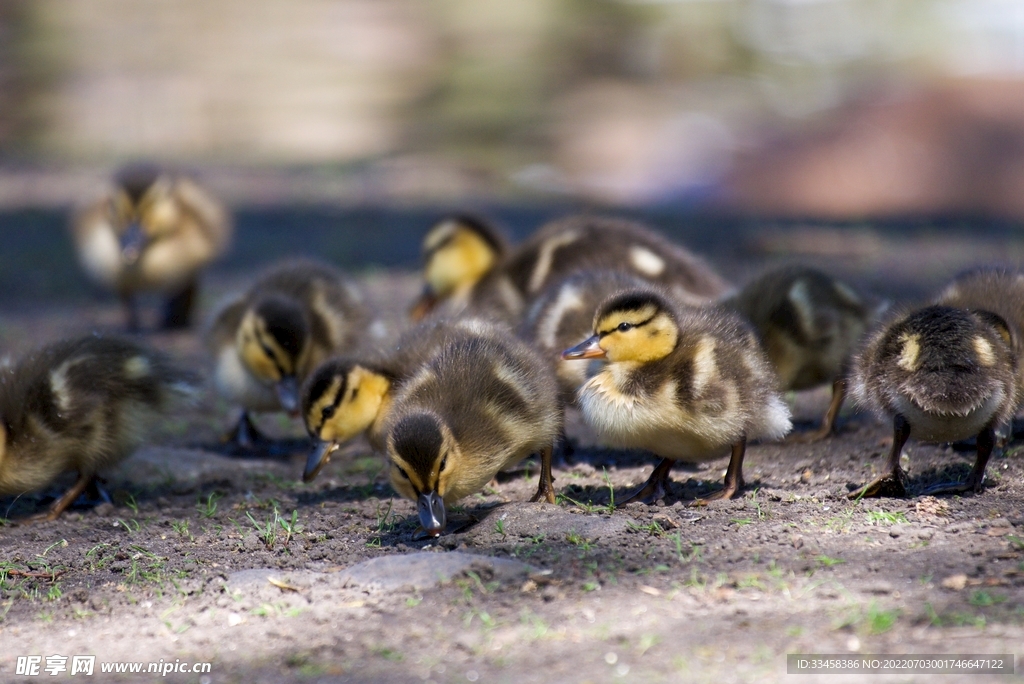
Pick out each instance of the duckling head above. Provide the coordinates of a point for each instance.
(144, 208)
(425, 458)
(457, 252)
(340, 400)
(272, 342)
(635, 326)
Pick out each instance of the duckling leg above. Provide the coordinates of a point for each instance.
(894, 483)
(178, 310)
(986, 443)
(245, 435)
(545, 488)
(828, 423)
(654, 488)
(61, 504)
(733, 476)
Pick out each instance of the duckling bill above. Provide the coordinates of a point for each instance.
(687, 383)
(82, 405)
(947, 372)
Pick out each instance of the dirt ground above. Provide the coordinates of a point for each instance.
(234, 561)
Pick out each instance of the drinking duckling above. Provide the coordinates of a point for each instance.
(687, 383)
(82, 405)
(269, 339)
(947, 372)
(564, 313)
(346, 396)
(484, 402)
(152, 231)
(479, 279)
(809, 324)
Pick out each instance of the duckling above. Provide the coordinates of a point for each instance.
(482, 281)
(484, 402)
(687, 383)
(83, 404)
(459, 252)
(946, 372)
(346, 396)
(809, 324)
(564, 313)
(152, 231)
(269, 339)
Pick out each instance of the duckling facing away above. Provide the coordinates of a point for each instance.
(484, 402)
(466, 263)
(152, 231)
(346, 396)
(269, 339)
(947, 372)
(564, 313)
(809, 324)
(83, 405)
(687, 383)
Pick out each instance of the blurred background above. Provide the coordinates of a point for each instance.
(806, 107)
(362, 113)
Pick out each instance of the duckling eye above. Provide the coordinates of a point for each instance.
(327, 412)
(625, 327)
(404, 474)
(444, 462)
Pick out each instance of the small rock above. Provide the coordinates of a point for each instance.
(797, 541)
(666, 521)
(894, 533)
(104, 510)
(930, 507)
(880, 588)
(806, 476)
(955, 582)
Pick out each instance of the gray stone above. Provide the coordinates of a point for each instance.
(419, 571)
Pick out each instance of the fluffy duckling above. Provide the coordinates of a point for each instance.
(484, 402)
(459, 252)
(269, 339)
(687, 383)
(481, 280)
(564, 313)
(81, 405)
(947, 372)
(809, 324)
(347, 396)
(152, 231)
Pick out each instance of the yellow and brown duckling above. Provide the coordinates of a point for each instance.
(346, 396)
(564, 313)
(947, 372)
(83, 405)
(687, 383)
(484, 402)
(462, 255)
(468, 265)
(153, 231)
(809, 324)
(267, 341)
